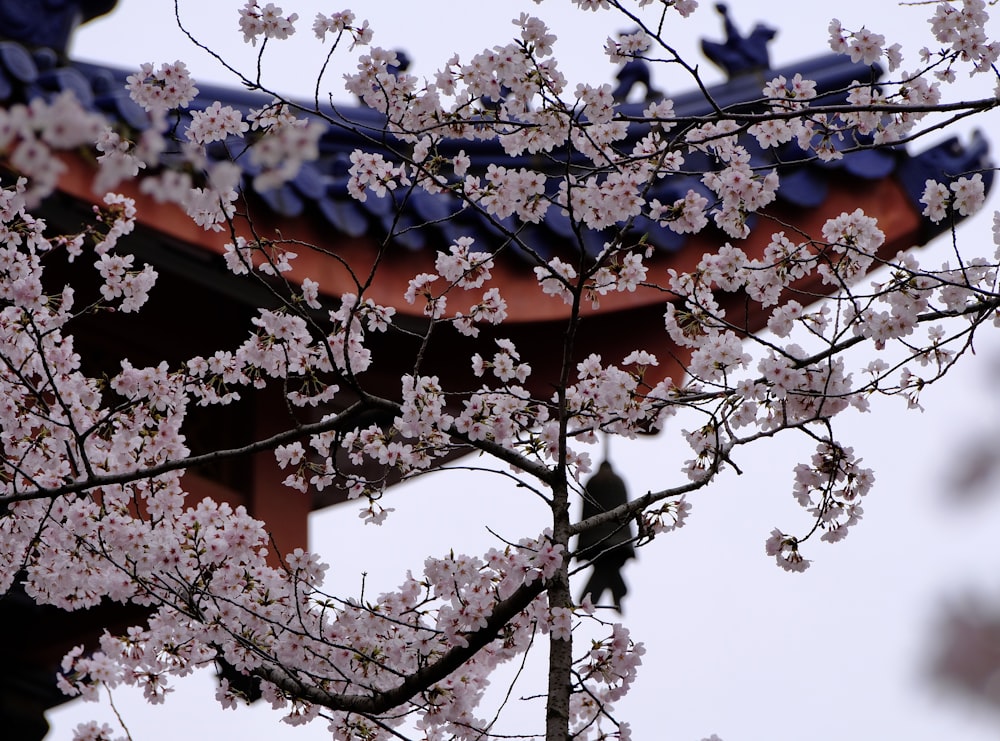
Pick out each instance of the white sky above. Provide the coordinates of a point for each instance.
(734, 645)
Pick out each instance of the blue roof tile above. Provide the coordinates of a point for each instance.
(420, 220)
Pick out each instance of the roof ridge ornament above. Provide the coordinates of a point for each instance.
(739, 54)
(48, 23)
(636, 73)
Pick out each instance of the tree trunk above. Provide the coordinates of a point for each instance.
(560, 651)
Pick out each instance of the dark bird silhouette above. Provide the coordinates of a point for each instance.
(609, 545)
(739, 53)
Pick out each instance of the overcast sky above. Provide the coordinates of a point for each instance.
(734, 645)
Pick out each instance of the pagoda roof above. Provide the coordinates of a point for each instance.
(424, 221)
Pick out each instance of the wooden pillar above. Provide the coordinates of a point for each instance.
(284, 510)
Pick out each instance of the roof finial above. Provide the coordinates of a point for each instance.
(48, 23)
(635, 72)
(738, 53)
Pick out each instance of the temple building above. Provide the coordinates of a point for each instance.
(316, 208)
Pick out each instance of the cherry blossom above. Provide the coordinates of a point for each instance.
(162, 89)
(267, 22)
(216, 123)
(96, 503)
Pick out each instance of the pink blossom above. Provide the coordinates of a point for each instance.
(267, 22)
(168, 87)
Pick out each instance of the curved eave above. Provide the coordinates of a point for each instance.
(315, 207)
(885, 199)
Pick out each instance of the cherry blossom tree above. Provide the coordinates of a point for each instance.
(95, 501)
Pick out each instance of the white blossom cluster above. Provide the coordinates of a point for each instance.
(91, 467)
